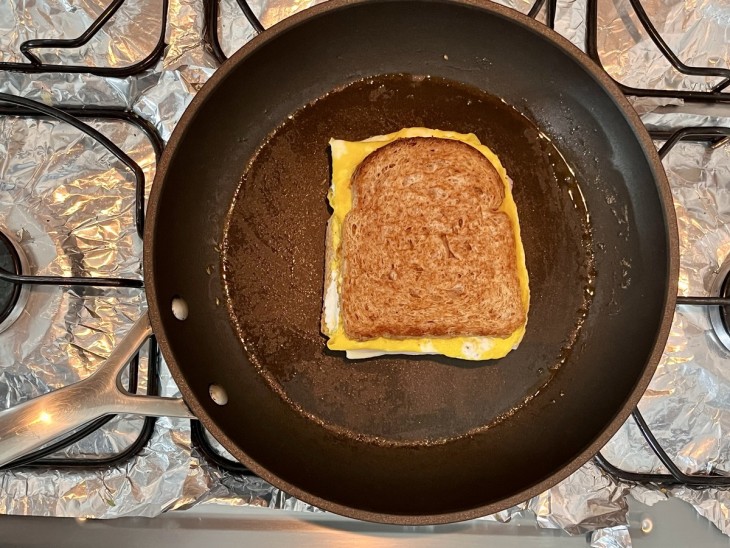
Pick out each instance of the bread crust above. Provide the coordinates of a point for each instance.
(425, 250)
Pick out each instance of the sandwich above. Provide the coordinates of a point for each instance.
(423, 249)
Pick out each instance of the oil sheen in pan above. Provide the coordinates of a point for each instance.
(273, 268)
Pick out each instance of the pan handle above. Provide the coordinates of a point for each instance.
(36, 422)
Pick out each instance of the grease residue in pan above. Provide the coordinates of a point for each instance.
(273, 263)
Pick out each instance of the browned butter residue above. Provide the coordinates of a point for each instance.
(273, 267)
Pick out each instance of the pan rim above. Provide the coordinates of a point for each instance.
(622, 414)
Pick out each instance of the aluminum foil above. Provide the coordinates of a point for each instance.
(69, 203)
(51, 182)
(588, 499)
(696, 30)
(128, 37)
(611, 537)
(570, 21)
(686, 404)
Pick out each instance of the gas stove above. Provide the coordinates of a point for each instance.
(92, 90)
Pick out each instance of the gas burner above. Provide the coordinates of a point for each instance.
(720, 315)
(12, 296)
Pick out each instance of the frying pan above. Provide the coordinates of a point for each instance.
(399, 440)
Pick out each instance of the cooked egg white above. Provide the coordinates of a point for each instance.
(346, 156)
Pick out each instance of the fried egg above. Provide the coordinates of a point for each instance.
(346, 156)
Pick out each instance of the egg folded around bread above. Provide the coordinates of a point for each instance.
(424, 254)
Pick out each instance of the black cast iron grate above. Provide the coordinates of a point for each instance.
(20, 107)
(36, 65)
(715, 95)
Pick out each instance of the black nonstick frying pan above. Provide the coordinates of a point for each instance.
(403, 440)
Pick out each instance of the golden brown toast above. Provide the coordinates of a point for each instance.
(426, 253)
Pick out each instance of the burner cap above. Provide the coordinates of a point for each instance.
(12, 296)
(720, 315)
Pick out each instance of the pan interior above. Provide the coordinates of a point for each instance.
(273, 266)
(605, 370)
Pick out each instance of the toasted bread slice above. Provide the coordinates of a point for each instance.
(426, 251)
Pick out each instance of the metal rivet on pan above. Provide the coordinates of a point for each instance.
(179, 308)
(218, 394)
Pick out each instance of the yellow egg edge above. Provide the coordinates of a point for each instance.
(344, 163)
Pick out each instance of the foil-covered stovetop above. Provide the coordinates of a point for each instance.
(70, 207)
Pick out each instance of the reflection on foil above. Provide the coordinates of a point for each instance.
(69, 204)
(211, 485)
(570, 21)
(144, 486)
(128, 37)
(586, 500)
(696, 30)
(505, 516)
(611, 537)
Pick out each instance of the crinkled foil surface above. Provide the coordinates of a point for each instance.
(69, 204)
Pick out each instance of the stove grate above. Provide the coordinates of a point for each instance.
(21, 107)
(713, 137)
(715, 95)
(36, 65)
